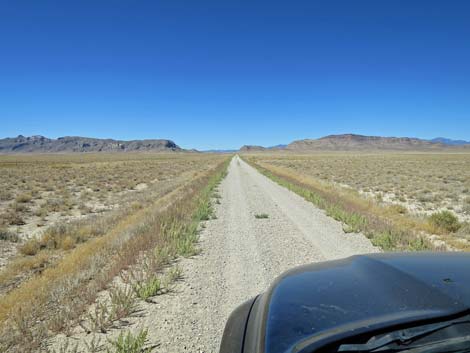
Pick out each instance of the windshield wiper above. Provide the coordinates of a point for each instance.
(400, 340)
(450, 345)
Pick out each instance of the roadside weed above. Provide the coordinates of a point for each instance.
(75, 273)
(387, 228)
(129, 343)
(261, 216)
(123, 302)
(149, 288)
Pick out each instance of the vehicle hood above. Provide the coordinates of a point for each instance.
(317, 304)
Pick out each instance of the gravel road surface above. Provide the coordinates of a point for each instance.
(241, 255)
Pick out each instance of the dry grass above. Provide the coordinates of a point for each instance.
(341, 184)
(86, 263)
(65, 209)
(423, 183)
(40, 190)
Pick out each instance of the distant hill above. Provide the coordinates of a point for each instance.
(41, 144)
(252, 148)
(352, 142)
(450, 142)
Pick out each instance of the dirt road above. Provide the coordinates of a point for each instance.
(241, 255)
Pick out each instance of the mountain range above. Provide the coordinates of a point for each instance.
(353, 142)
(41, 144)
(450, 142)
(344, 142)
(252, 148)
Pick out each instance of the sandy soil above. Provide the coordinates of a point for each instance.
(241, 255)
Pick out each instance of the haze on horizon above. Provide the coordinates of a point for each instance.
(209, 75)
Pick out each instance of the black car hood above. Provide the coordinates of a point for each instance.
(314, 305)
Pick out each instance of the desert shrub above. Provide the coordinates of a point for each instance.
(135, 205)
(84, 209)
(54, 205)
(445, 220)
(18, 207)
(20, 328)
(31, 247)
(5, 195)
(23, 198)
(67, 243)
(398, 209)
(67, 235)
(261, 216)
(41, 212)
(55, 235)
(425, 197)
(7, 235)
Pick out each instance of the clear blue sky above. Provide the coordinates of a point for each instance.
(219, 74)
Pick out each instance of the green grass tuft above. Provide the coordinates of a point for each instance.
(261, 216)
(129, 343)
